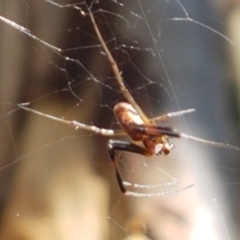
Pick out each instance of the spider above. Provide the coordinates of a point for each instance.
(148, 138)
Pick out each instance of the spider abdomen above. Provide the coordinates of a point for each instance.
(127, 117)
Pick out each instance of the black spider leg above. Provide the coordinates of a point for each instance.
(154, 130)
(158, 131)
(116, 145)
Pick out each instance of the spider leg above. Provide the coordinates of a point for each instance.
(116, 145)
(116, 71)
(209, 142)
(171, 114)
(154, 130)
(77, 125)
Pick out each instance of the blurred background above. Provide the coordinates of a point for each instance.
(57, 182)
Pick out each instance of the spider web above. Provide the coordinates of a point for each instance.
(173, 55)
